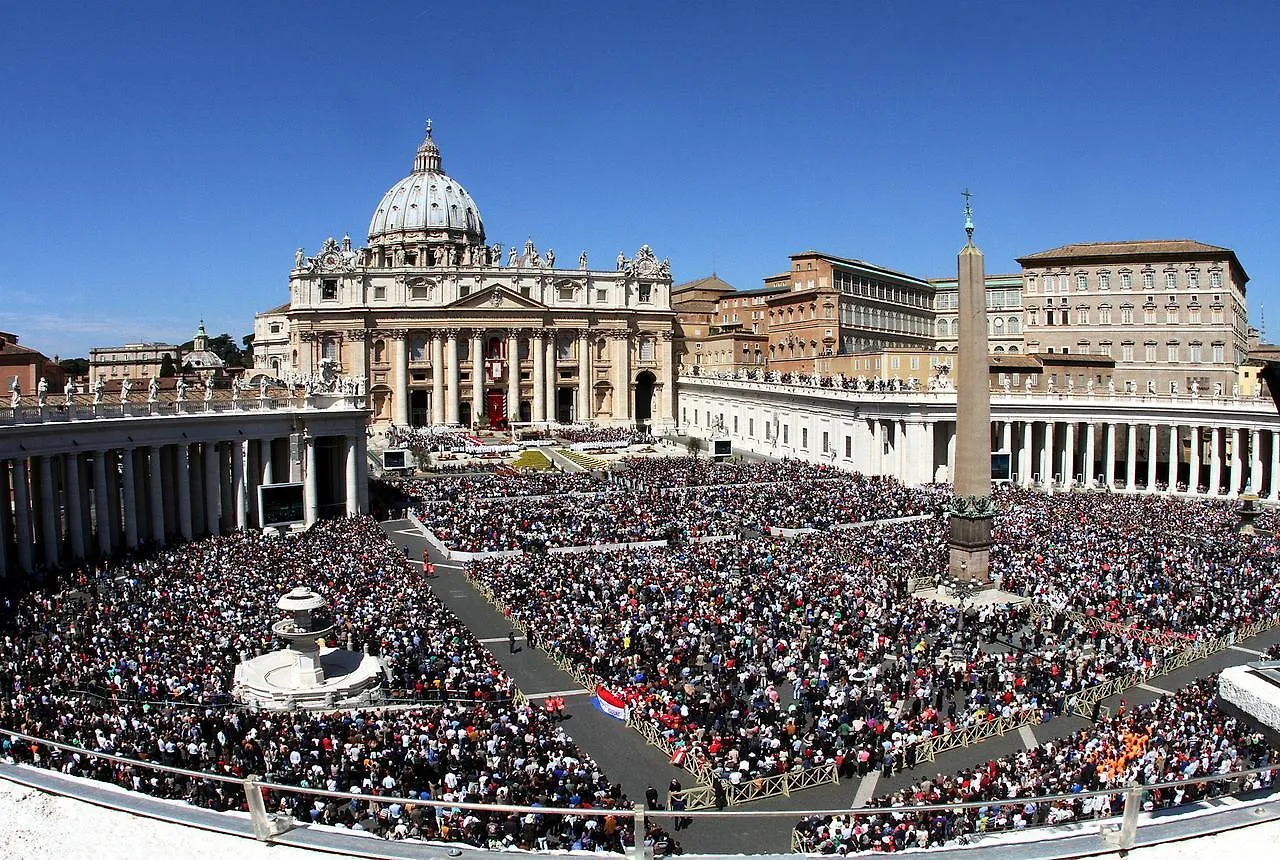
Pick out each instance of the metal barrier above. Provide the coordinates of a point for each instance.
(267, 826)
(930, 748)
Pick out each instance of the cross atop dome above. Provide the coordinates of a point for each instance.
(428, 156)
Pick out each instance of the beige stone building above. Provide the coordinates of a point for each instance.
(1171, 313)
(1004, 313)
(133, 360)
(446, 329)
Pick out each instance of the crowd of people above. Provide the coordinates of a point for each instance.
(623, 435)
(138, 659)
(1155, 563)
(1179, 736)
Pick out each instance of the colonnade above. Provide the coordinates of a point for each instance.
(85, 500)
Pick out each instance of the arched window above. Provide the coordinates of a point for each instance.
(1015, 326)
(944, 329)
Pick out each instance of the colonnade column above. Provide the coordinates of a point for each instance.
(1090, 452)
(926, 448)
(48, 513)
(22, 515)
(353, 492)
(1153, 441)
(155, 484)
(183, 467)
(100, 502)
(75, 525)
(1069, 456)
(551, 356)
(951, 451)
(513, 375)
(1110, 471)
(1175, 442)
(1274, 490)
(1215, 461)
(212, 488)
(1236, 438)
(1131, 459)
(4, 520)
(1046, 454)
(130, 492)
(239, 453)
(399, 378)
(1024, 456)
(583, 410)
(1255, 461)
(477, 375)
(538, 352)
(311, 507)
(1006, 437)
(454, 401)
(437, 378)
(1193, 472)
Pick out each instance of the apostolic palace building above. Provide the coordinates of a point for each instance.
(447, 329)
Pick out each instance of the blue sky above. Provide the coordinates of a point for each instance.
(159, 162)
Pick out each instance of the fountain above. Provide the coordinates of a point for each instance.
(306, 673)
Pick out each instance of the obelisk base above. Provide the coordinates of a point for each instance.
(970, 556)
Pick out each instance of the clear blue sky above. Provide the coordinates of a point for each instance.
(159, 162)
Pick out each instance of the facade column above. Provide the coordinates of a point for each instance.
(239, 492)
(1110, 470)
(1237, 437)
(353, 492)
(75, 524)
(513, 375)
(359, 340)
(550, 359)
(49, 537)
(666, 371)
(22, 515)
(1175, 442)
(101, 521)
(130, 493)
(582, 412)
(1131, 459)
(1069, 456)
(1215, 461)
(538, 352)
(477, 375)
(1255, 462)
(212, 488)
(1193, 473)
(437, 378)
(622, 367)
(1024, 456)
(310, 495)
(454, 401)
(156, 486)
(400, 378)
(875, 466)
(1090, 452)
(183, 467)
(362, 457)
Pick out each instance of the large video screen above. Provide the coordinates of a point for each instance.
(393, 459)
(281, 504)
(1001, 468)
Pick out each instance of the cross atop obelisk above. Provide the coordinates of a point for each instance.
(971, 508)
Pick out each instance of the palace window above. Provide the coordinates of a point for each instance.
(1151, 352)
(1149, 316)
(1193, 280)
(1126, 281)
(646, 293)
(1217, 316)
(1082, 282)
(1215, 279)
(1171, 316)
(379, 293)
(1126, 315)
(565, 292)
(1170, 280)
(1219, 353)
(1148, 280)
(1104, 280)
(1196, 357)
(1126, 352)
(275, 328)
(1104, 315)
(328, 290)
(1193, 315)
(646, 349)
(1173, 353)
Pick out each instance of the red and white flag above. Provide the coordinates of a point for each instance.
(610, 703)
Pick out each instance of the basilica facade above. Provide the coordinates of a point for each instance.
(445, 329)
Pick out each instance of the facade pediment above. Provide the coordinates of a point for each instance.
(496, 297)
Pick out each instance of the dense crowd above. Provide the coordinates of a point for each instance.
(623, 435)
(1152, 562)
(1179, 736)
(138, 659)
(706, 471)
(428, 440)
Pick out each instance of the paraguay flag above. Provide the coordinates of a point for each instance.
(611, 703)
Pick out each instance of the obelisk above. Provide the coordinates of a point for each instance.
(971, 508)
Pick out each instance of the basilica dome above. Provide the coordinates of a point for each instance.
(427, 200)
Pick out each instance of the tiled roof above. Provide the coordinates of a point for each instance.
(1123, 249)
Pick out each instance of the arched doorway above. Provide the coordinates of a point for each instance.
(419, 408)
(644, 396)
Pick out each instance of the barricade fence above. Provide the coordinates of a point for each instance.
(267, 826)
